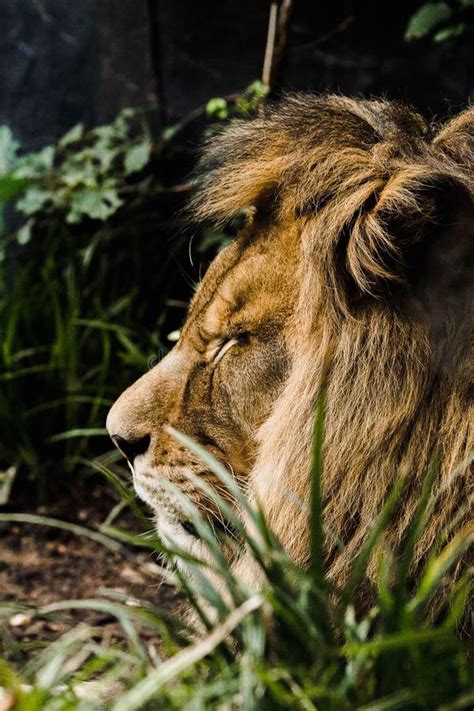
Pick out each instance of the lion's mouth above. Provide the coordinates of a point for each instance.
(170, 515)
(190, 528)
(221, 529)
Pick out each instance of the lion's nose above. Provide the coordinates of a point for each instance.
(131, 448)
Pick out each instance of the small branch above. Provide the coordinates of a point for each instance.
(282, 38)
(177, 303)
(277, 38)
(341, 27)
(270, 47)
(201, 111)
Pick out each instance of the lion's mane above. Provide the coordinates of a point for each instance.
(384, 204)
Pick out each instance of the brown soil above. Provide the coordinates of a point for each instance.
(40, 565)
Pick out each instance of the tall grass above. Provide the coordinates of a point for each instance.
(80, 290)
(299, 642)
(66, 351)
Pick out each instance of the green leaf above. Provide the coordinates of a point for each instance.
(7, 478)
(251, 99)
(217, 108)
(72, 136)
(171, 131)
(94, 203)
(137, 156)
(389, 703)
(426, 19)
(8, 149)
(121, 125)
(258, 90)
(141, 693)
(37, 164)
(23, 236)
(33, 200)
(416, 527)
(450, 32)
(10, 187)
(437, 566)
(380, 524)
(105, 154)
(79, 171)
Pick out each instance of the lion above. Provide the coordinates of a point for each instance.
(353, 264)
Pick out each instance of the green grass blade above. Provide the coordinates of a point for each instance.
(398, 641)
(147, 689)
(438, 565)
(401, 699)
(417, 525)
(360, 564)
(216, 467)
(79, 433)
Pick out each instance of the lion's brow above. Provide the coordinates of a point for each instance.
(193, 316)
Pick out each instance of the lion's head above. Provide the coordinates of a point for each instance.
(356, 262)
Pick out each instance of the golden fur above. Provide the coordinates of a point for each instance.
(356, 262)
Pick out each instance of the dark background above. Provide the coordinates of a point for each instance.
(62, 62)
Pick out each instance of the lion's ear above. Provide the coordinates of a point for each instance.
(379, 238)
(456, 138)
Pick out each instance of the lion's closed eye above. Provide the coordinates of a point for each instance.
(218, 351)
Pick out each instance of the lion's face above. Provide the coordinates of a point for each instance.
(218, 383)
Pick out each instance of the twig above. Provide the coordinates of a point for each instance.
(270, 46)
(282, 38)
(177, 303)
(277, 38)
(341, 27)
(201, 111)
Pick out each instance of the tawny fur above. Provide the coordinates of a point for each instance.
(366, 182)
(356, 263)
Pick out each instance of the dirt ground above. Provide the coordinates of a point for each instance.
(40, 565)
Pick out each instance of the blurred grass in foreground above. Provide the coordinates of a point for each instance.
(299, 643)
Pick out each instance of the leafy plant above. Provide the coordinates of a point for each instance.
(70, 313)
(440, 21)
(241, 106)
(81, 177)
(87, 265)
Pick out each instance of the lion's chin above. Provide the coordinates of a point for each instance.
(174, 528)
(152, 486)
(176, 533)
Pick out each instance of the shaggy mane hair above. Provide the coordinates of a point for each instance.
(384, 205)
